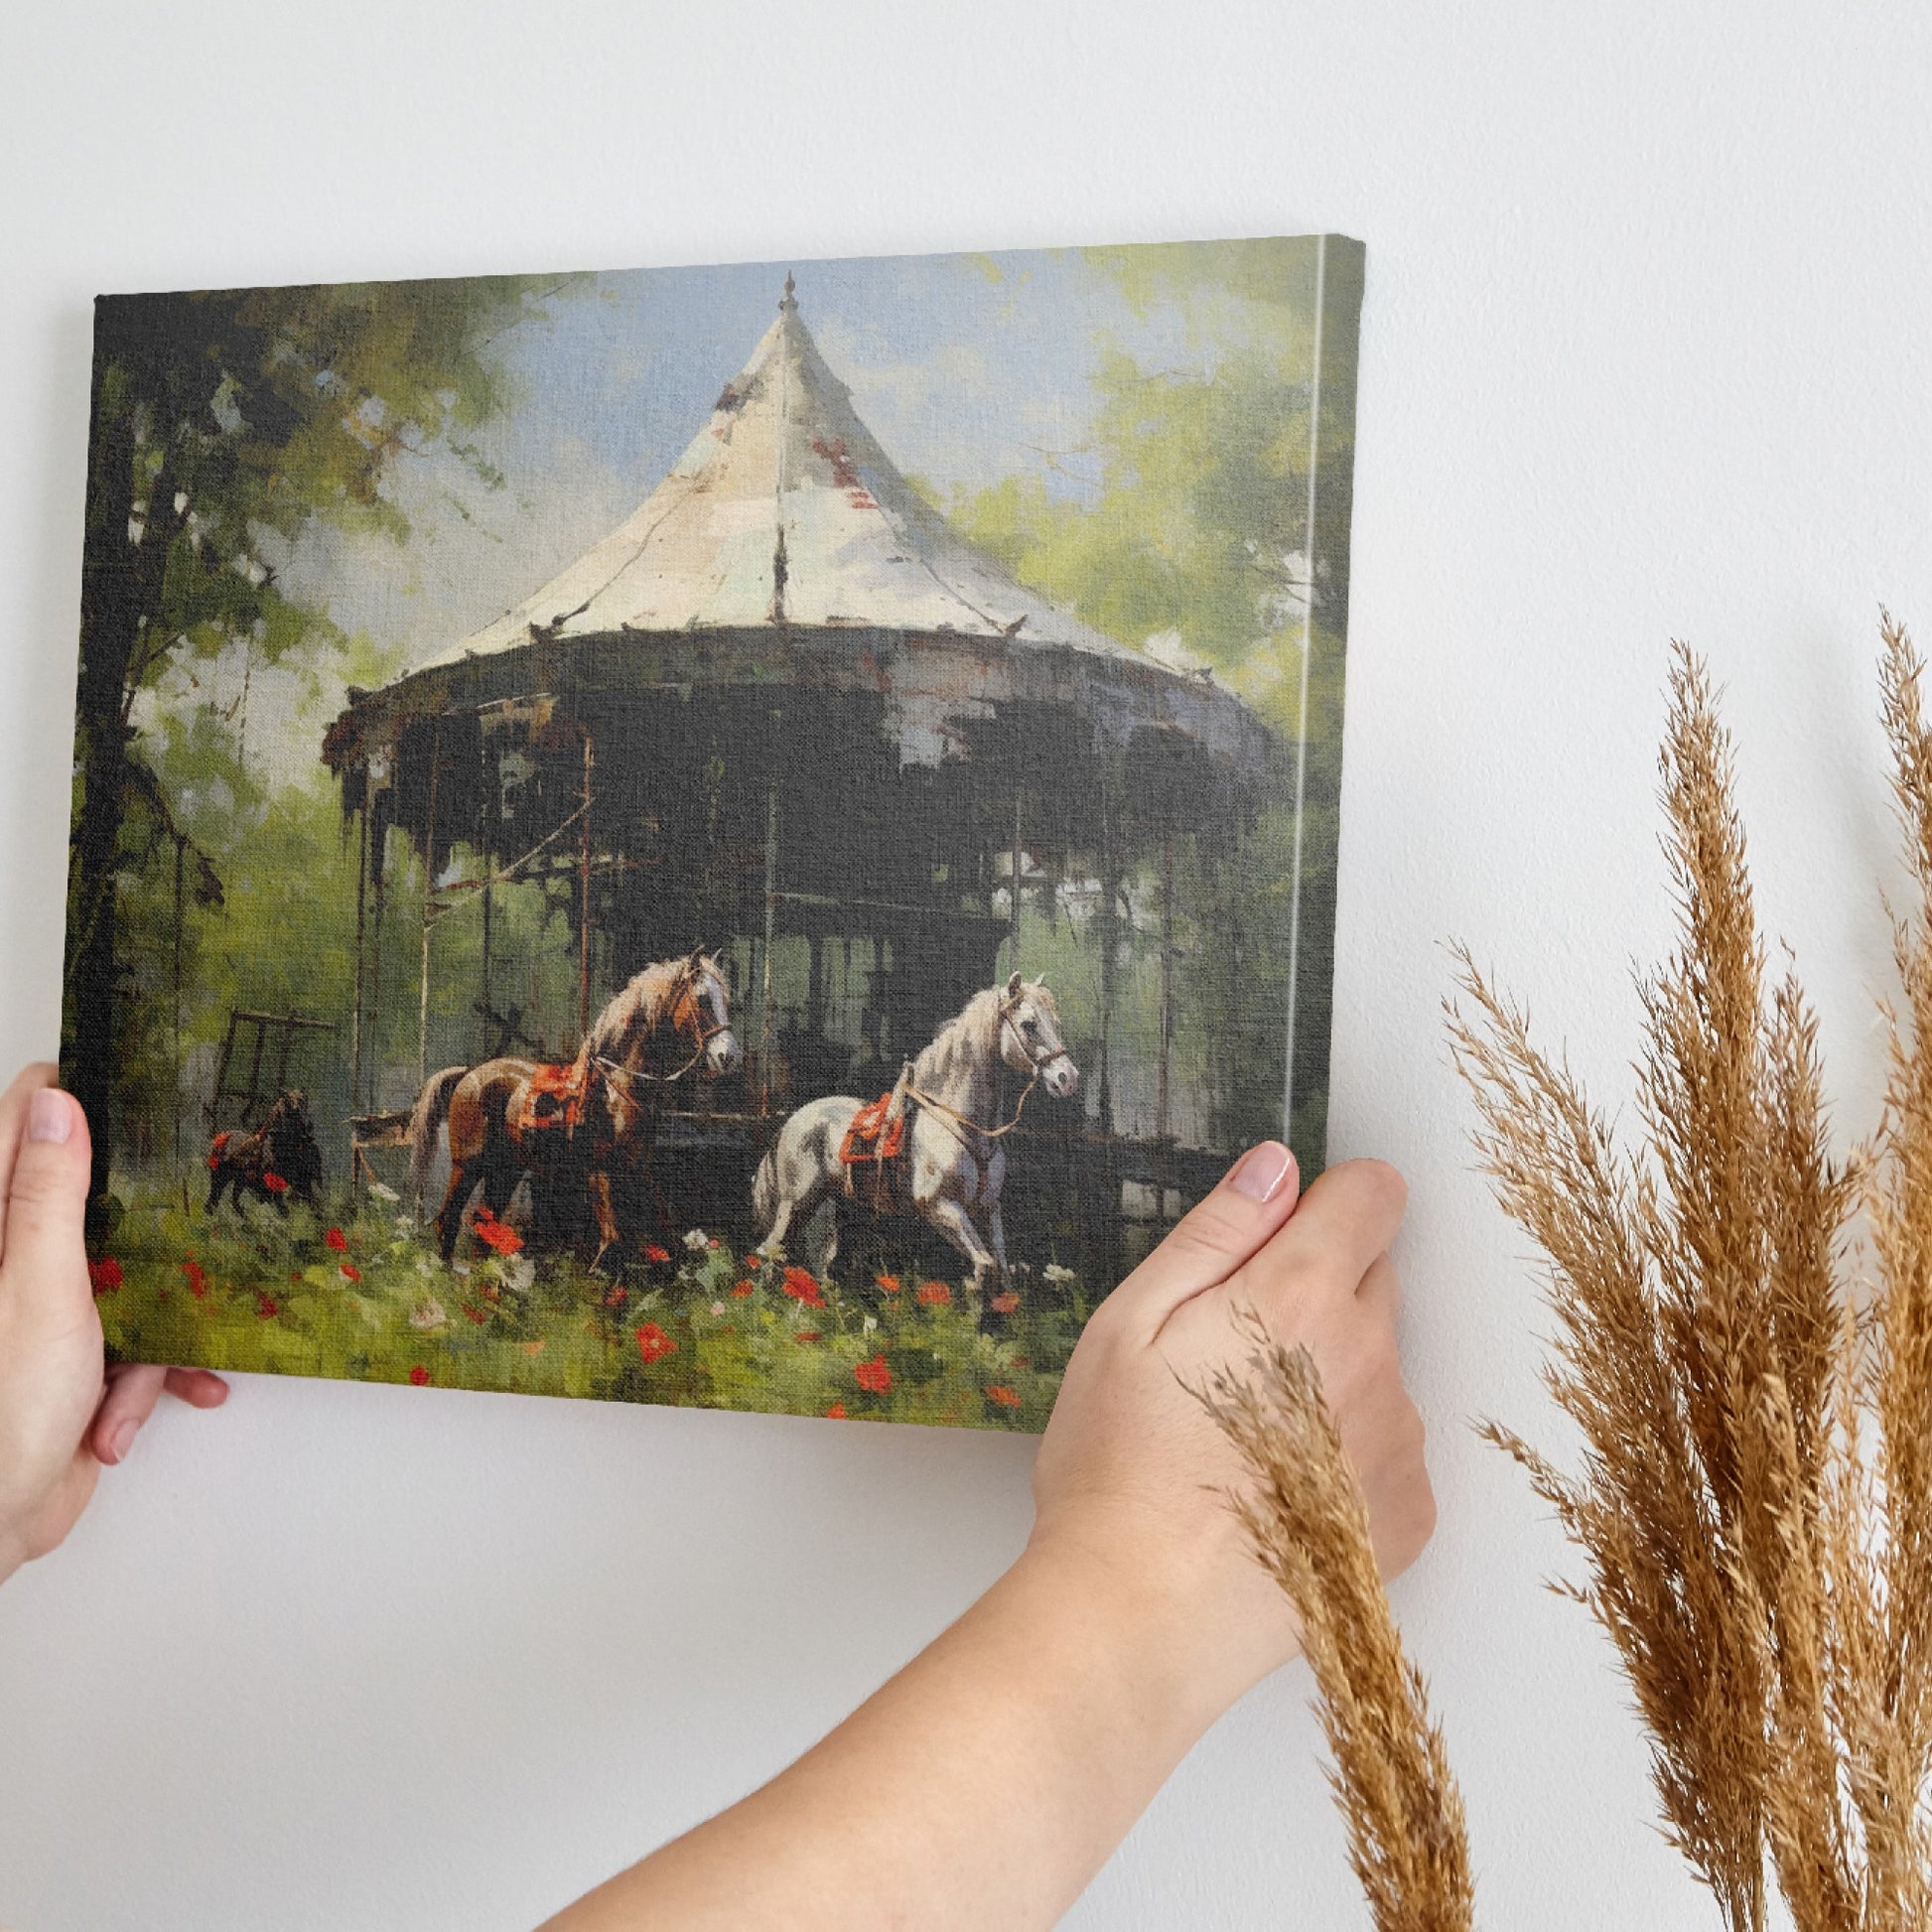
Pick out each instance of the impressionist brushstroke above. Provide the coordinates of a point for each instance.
(889, 654)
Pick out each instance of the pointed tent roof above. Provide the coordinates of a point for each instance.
(784, 510)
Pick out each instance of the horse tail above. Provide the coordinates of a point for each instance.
(765, 1194)
(431, 1110)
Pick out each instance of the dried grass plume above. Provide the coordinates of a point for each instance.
(1309, 1524)
(1753, 1503)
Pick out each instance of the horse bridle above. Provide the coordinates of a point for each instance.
(700, 1033)
(1009, 1005)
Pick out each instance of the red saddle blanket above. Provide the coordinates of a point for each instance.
(872, 1136)
(553, 1096)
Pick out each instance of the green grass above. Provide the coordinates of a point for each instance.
(364, 1297)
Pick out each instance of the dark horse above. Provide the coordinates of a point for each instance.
(279, 1159)
(570, 1125)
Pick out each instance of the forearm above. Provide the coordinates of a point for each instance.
(984, 1785)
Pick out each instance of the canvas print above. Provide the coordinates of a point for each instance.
(745, 837)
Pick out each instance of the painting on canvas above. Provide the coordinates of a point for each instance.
(739, 836)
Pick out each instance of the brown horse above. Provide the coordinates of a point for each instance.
(279, 1159)
(570, 1125)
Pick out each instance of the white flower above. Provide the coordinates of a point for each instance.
(429, 1312)
(717, 1308)
(382, 1190)
(697, 1241)
(872, 1322)
(1057, 1275)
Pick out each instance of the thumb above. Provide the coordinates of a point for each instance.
(43, 1257)
(1234, 1220)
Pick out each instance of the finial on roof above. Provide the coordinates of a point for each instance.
(789, 304)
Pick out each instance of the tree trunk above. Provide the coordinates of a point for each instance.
(120, 585)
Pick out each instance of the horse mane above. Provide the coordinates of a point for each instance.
(959, 1045)
(640, 1002)
(641, 1007)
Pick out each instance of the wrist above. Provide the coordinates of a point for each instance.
(1160, 1626)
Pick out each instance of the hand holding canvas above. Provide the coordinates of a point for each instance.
(988, 1781)
(64, 1412)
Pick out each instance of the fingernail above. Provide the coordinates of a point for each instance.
(49, 1115)
(1261, 1171)
(122, 1438)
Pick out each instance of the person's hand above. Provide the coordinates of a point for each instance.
(1129, 1480)
(63, 1412)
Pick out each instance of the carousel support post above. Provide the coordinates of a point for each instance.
(489, 892)
(355, 1008)
(1013, 920)
(1161, 1093)
(378, 852)
(1109, 913)
(429, 907)
(584, 906)
(771, 933)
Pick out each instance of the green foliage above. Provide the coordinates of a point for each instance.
(364, 1296)
(1195, 531)
(225, 424)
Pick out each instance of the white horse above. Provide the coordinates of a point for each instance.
(952, 1162)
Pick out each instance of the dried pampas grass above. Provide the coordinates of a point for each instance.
(1754, 1497)
(1308, 1525)
(1754, 1390)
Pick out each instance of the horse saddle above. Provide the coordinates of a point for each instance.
(553, 1096)
(875, 1139)
(876, 1132)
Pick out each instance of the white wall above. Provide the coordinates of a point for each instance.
(1643, 354)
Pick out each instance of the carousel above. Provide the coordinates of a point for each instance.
(785, 713)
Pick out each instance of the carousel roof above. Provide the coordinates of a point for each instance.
(784, 510)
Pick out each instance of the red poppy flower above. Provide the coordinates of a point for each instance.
(1003, 1303)
(419, 1375)
(478, 1315)
(351, 1272)
(806, 1334)
(275, 1183)
(653, 1344)
(337, 1240)
(495, 1234)
(618, 1296)
(267, 1306)
(935, 1295)
(656, 1254)
(874, 1377)
(836, 1413)
(104, 1276)
(197, 1277)
(888, 1283)
(742, 1290)
(802, 1286)
(1005, 1397)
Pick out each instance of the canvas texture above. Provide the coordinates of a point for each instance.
(739, 837)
